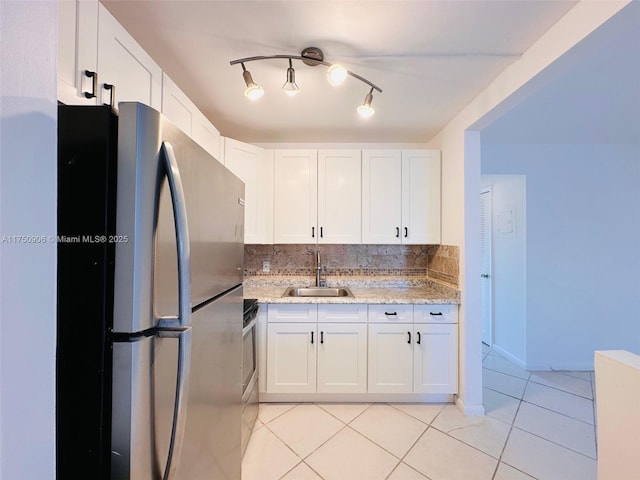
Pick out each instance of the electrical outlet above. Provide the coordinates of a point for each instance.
(266, 265)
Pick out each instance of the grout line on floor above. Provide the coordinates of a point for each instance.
(561, 390)
(504, 447)
(556, 412)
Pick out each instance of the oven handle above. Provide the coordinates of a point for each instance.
(251, 325)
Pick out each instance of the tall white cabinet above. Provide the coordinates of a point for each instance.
(254, 166)
(401, 196)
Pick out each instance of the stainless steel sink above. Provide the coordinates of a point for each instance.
(317, 292)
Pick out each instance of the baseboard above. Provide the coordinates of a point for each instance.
(470, 410)
(357, 397)
(512, 358)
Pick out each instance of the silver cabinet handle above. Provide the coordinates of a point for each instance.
(180, 404)
(182, 240)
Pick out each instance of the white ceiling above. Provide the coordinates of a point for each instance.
(429, 57)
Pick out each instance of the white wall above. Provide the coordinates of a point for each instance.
(28, 188)
(508, 273)
(583, 254)
(460, 148)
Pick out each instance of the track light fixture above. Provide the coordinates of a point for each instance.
(311, 56)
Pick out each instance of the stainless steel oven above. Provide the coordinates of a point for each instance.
(249, 369)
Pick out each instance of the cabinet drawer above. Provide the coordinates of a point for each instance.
(299, 312)
(435, 313)
(391, 313)
(342, 313)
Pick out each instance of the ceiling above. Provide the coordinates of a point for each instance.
(431, 58)
(591, 95)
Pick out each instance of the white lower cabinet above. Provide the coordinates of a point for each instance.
(342, 358)
(390, 358)
(360, 349)
(416, 357)
(304, 356)
(291, 357)
(435, 358)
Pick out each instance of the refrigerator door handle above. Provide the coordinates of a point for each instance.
(180, 404)
(182, 240)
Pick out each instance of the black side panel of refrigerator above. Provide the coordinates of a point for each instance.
(87, 162)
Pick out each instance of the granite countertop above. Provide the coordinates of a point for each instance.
(384, 290)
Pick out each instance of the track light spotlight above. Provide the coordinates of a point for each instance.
(253, 90)
(336, 74)
(366, 110)
(290, 87)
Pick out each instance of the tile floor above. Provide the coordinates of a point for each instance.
(538, 425)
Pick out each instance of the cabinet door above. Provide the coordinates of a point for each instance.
(420, 196)
(390, 358)
(381, 196)
(77, 50)
(339, 196)
(207, 136)
(255, 169)
(291, 357)
(176, 106)
(342, 357)
(436, 358)
(295, 196)
(123, 63)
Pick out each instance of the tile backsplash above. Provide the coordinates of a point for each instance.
(439, 262)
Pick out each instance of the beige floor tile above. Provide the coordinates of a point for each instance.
(425, 412)
(502, 365)
(393, 430)
(499, 406)
(305, 427)
(505, 472)
(302, 472)
(545, 460)
(558, 428)
(562, 402)
(349, 455)
(584, 375)
(500, 382)
(405, 472)
(269, 411)
(564, 382)
(345, 412)
(484, 433)
(266, 457)
(440, 457)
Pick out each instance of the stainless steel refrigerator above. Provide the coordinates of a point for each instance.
(150, 267)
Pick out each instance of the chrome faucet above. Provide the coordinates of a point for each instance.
(319, 281)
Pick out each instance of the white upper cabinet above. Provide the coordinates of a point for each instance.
(183, 113)
(123, 63)
(339, 196)
(99, 62)
(176, 106)
(401, 196)
(420, 197)
(317, 196)
(295, 196)
(254, 166)
(207, 136)
(77, 51)
(381, 196)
